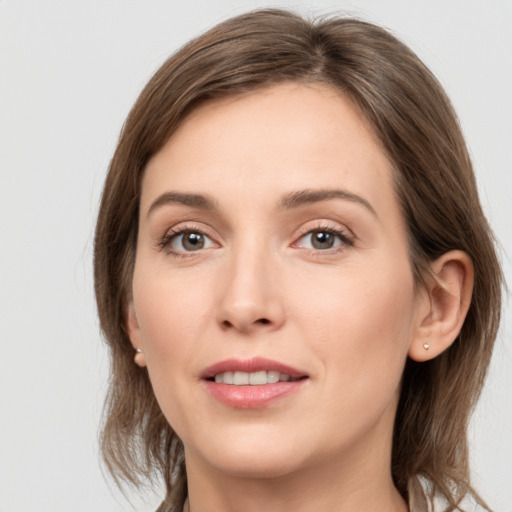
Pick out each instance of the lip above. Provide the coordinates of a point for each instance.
(250, 396)
(256, 364)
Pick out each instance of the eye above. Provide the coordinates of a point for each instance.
(323, 239)
(187, 240)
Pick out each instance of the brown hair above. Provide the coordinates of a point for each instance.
(435, 185)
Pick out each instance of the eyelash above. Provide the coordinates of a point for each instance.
(166, 241)
(171, 235)
(344, 238)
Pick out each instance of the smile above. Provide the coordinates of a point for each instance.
(252, 379)
(252, 384)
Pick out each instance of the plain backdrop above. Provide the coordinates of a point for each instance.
(69, 72)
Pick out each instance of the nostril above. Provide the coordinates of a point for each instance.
(242, 325)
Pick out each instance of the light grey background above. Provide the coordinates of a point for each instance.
(69, 72)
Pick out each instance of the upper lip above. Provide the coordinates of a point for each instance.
(256, 364)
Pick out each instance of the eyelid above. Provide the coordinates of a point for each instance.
(345, 235)
(327, 224)
(164, 242)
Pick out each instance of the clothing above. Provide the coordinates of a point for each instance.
(467, 505)
(418, 502)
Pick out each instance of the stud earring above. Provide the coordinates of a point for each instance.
(140, 359)
(426, 346)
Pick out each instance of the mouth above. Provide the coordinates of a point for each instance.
(254, 383)
(253, 378)
(257, 371)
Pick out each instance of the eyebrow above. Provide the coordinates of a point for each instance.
(302, 197)
(288, 201)
(199, 201)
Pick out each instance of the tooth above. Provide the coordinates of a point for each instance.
(257, 378)
(272, 377)
(240, 378)
(254, 379)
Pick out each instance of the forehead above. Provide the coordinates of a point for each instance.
(271, 142)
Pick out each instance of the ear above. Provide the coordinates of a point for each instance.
(133, 329)
(445, 304)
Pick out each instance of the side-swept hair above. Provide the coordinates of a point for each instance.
(435, 186)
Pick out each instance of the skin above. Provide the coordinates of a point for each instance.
(347, 316)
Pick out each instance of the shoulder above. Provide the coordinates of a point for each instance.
(468, 504)
(418, 501)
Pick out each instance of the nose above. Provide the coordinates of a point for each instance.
(251, 295)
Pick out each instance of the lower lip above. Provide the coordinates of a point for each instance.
(252, 397)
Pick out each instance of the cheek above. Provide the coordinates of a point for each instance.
(361, 326)
(170, 316)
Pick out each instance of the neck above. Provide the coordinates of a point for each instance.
(329, 487)
(346, 477)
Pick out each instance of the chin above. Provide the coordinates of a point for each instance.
(253, 457)
(258, 466)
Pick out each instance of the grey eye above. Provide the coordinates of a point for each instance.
(322, 240)
(189, 241)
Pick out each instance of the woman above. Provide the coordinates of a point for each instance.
(294, 275)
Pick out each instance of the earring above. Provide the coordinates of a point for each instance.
(426, 346)
(139, 358)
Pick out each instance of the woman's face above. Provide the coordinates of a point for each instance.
(272, 293)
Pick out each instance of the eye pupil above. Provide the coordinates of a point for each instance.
(322, 240)
(193, 241)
